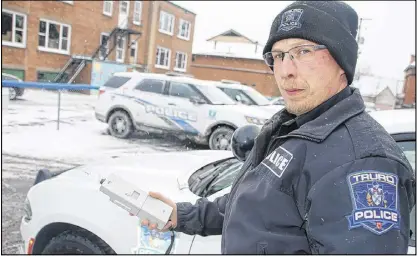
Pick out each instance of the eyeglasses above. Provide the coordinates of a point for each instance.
(302, 53)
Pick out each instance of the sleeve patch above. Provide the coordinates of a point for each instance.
(374, 196)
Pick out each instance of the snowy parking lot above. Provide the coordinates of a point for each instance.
(31, 141)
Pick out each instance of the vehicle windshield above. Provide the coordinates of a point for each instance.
(215, 95)
(257, 97)
(247, 96)
(214, 177)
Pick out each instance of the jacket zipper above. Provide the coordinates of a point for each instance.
(312, 245)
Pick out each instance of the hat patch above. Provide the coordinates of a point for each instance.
(290, 20)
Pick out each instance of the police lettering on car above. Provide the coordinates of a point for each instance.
(323, 177)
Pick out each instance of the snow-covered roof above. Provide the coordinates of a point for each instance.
(247, 55)
(371, 86)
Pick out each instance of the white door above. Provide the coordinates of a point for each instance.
(209, 244)
(149, 103)
(123, 14)
(190, 117)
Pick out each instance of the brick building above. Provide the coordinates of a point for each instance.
(232, 56)
(60, 40)
(409, 89)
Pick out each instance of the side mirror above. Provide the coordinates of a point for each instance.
(238, 98)
(243, 140)
(197, 100)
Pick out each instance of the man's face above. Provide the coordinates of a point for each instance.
(305, 85)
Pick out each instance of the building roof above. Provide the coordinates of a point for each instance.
(178, 6)
(252, 56)
(410, 66)
(371, 86)
(231, 33)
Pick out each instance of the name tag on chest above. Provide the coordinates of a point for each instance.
(278, 161)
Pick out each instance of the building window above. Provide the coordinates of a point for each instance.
(120, 49)
(163, 58)
(166, 23)
(107, 8)
(133, 52)
(42, 76)
(13, 29)
(104, 40)
(184, 29)
(54, 36)
(181, 62)
(137, 12)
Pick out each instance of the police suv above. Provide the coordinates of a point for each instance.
(184, 106)
(247, 95)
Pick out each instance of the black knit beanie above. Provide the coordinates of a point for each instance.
(330, 23)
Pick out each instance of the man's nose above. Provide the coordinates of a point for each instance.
(286, 68)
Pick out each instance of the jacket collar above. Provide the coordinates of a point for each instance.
(323, 125)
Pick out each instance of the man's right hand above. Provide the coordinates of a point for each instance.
(172, 223)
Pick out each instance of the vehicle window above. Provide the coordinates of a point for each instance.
(5, 77)
(408, 148)
(234, 93)
(151, 85)
(116, 81)
(182, 90)
(224, 180)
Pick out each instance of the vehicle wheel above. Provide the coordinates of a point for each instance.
(120, 124)
(220, 139)
(12, 93)
(71, 243)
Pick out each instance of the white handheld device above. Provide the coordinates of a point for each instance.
(136, 201)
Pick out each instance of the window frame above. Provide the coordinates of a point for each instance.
(24, 30)
(136, 12)
(107, 45)
(111, 8)
(179, 69)
(181, 21)
(152, 79)
(134, 46)
(167, 14)
(157, 65)
(123, 49)
(53, 50)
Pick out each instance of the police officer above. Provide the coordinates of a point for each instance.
(323, 177)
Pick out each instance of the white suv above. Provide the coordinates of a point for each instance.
(247, 95)
(180, 105)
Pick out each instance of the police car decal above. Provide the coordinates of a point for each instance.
(177, 116)
(277, 161)
(375, 201)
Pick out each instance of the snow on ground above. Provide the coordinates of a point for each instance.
(30, 130)
(31, 141)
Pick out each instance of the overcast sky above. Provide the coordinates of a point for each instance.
(389, 37)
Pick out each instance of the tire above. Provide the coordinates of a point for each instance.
(12, 93)
(72, 243)
(125, 125)
(218, 135)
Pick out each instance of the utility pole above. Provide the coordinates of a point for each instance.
(360, 41)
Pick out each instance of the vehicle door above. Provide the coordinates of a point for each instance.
(148, 99)
(221, 185)
(188, 107)
(407, 142)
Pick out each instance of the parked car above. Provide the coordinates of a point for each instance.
(246, 95)
(78, 218)
(14, 92)
(180, 105)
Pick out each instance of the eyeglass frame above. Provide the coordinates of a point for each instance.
(316, 48)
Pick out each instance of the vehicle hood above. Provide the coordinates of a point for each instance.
(273, 109)
(253, 111)
(151, 171)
